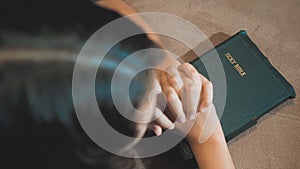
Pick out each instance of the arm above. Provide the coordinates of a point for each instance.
(116, 5)
(206, 137)
(212, 154)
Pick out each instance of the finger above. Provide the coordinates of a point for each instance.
(190, 72)
(154, 95)
(157, 92)
(192, 92)
(174, 78)
(162, 76)
(173, 100)
(155, 128)
(175, 105)
(207, 94)
(192, 89)
(190, 97)
(162, 120)
(164, 80)
(156, 86)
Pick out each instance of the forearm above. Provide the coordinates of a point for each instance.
(214, 153)
(124, 9)
(116, 5)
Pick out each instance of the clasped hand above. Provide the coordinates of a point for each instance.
(186, 94)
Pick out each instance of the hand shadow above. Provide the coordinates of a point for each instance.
(215, 40)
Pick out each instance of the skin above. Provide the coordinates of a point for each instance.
(187, 93)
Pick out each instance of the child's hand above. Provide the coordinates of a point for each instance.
(189, 96)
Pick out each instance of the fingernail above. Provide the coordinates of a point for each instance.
(172, 127)
(204, 109)
(156, 133)
(181, 120)
(192, 116)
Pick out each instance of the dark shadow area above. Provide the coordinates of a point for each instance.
(216, 39)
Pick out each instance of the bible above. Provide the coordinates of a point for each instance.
(253, 88)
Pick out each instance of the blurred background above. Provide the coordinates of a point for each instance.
(56, 28)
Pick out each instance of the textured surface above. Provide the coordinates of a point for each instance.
(274, 143)
(273, 25)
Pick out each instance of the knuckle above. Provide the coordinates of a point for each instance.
(195, 75)
(173, 82)
(185, 64)
(190, 87)
(207, 103)
(171, 96)
(193, 88)
(191, 68)
(208, 84)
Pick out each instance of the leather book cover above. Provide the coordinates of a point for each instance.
(253, 85)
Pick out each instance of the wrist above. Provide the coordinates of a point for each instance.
(216, 138)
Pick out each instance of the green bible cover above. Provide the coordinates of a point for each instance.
(253, 88)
